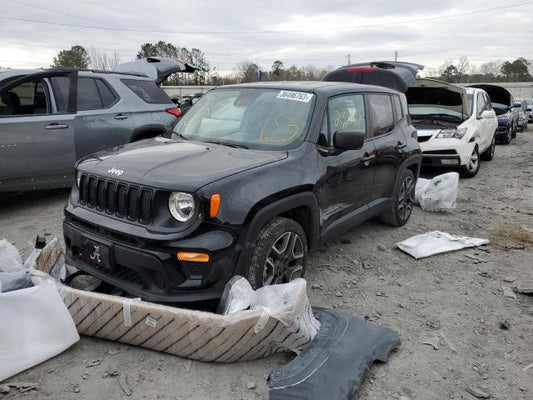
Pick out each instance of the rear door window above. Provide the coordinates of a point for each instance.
(88, 96)
(147, 91)
(397, 108)
(382, 113)
(107, 96)
(94, 94)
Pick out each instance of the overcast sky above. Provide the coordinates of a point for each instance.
(303, 32)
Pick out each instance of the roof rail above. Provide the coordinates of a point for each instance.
(97, 71)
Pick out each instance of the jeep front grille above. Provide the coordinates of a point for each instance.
(119, 198)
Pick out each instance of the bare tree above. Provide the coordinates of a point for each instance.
(490, 69)
(463, 65)
(103, 61)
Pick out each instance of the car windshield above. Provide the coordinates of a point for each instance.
(248, 117)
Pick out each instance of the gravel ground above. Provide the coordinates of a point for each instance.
(455, 298)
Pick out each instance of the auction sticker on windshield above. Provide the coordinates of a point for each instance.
(296, 96)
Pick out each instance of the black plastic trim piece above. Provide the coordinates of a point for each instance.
(334, 364)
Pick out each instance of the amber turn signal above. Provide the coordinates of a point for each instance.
(214, 205)
(193, 257)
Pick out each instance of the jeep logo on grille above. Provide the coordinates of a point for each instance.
(115, 171)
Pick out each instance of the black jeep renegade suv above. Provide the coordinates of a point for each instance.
(250, 179)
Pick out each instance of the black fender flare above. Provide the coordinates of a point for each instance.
(336, 361)
(269, 212)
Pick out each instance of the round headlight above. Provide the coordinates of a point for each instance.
(181, 206)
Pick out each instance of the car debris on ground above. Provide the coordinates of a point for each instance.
(38, 311)
(265, 321)
(438, 193)
(436, 242)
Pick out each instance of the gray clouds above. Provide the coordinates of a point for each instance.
(316, 32)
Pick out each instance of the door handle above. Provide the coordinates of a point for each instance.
(400, 145)
(121, 116)
(55, 126)
(367, 158)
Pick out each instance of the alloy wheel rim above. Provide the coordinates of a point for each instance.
(406, 198)
(285, 259)
(473, 162)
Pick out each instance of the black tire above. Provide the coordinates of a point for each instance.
(508, 137)
(513, 133)
(401, 206)
(488, 154)
(279, 255)
(472, 167)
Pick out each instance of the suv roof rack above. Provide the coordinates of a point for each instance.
(96, 71)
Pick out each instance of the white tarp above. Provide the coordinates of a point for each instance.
(35, 326)
(439, 193)
(436, 242)
(12, 273)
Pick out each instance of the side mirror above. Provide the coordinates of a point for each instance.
(345, 139)
(487, 114)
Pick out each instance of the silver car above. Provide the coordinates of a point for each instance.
(49, 119)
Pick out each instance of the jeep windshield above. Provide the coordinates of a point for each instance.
(248, 117)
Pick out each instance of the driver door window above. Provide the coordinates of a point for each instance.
(480, 106)
(28, 98)
(345, 112)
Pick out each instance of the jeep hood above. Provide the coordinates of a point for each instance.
(156, 68)
(497, 94)
(391, 74)
(437, 94)
(175, 164)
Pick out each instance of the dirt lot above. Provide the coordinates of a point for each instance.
(456, 297)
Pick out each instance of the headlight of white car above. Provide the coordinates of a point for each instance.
(182, 206)
(451, 133)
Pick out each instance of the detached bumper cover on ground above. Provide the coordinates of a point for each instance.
(334, 364)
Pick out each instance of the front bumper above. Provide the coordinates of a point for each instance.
(149, 268)
(446, 152)
(503, 130)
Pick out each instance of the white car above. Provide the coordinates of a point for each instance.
(456, 126)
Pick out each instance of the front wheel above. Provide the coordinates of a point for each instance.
(401, 206)
(488, 154)
(279, 255)
(508, 137)
(472, 166)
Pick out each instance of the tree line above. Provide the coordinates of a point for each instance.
(460, 71)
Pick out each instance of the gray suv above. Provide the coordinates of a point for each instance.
(51, 118)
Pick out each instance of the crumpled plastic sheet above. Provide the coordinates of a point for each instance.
(281, 299)
(438, 193)
(13, 273)
(436, 242)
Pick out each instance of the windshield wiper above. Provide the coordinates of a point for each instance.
(179, 135)
(229, 144)
(430, 121)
